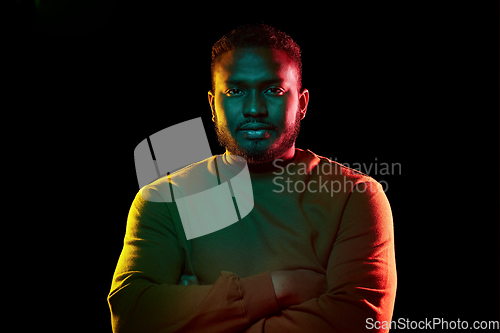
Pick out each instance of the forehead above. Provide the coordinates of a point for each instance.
(254, 65)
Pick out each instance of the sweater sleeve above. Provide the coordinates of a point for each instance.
(361, 273)
(145, 297)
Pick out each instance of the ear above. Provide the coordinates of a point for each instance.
(303, 101)
(211, 101)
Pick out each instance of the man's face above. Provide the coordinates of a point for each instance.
(256, 104)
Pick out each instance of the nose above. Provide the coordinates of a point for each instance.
(255, 105)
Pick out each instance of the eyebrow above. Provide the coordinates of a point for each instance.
(263, 83)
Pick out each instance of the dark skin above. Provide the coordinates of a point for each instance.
(260, 85)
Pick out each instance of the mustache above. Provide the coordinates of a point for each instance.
(248, 121)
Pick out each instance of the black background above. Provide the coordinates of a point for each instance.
(414, 84)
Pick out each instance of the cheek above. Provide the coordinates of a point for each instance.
(220, 108)
(291, 106)
(231, 106)
(226, 112)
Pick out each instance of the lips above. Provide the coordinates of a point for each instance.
(252, 135)
(254, 131)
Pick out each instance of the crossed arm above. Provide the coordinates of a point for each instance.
(360, 282)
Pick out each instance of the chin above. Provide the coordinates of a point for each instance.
(258, 152)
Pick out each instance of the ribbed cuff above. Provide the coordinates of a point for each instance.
(258, 296)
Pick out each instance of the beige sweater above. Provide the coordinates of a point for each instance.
(314, 214)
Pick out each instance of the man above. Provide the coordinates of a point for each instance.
(316, 252)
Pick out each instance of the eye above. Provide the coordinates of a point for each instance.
(274, 91)
(234, 92)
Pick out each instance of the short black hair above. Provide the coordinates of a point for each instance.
(258, 35)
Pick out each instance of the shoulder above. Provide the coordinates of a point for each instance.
(191, 179)
(327, 167)
(363, 194)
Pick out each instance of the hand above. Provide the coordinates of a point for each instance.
(294, 287)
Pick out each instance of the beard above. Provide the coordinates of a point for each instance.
(259, 152)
